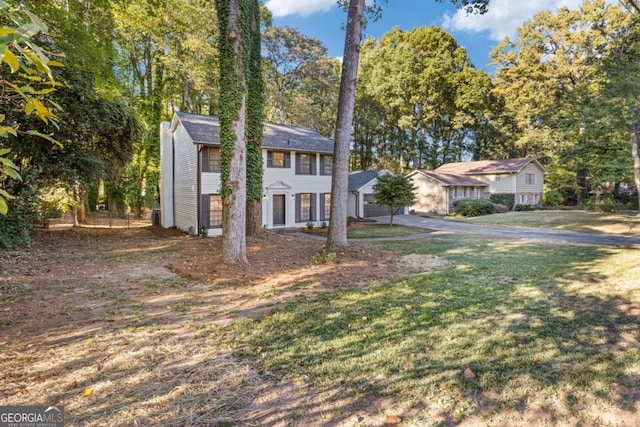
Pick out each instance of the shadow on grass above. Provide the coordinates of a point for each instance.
(518, 330)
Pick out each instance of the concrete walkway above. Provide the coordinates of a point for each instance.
(440, 226)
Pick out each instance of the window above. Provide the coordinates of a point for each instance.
(305, 164)
(211, 210)
(278, 159)
(325, 206)
(523, 199)
(211, 159)
(530, 178)
(498, 178)
(305, 207)
(326, 164)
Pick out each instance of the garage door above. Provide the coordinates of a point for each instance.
(372, 209)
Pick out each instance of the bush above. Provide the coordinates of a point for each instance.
(607, 204)
(473, 207)
(520, 207)
(500, 208)
(552, 198)
(310, 225)
(507, 199)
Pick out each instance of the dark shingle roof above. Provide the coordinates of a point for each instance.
(447, 179)
(206, 130)
(488, 166)
(360, 178)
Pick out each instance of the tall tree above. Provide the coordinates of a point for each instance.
(255, 124)
(302, 80)
(337, 235)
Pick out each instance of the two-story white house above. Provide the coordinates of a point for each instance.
(296, 178)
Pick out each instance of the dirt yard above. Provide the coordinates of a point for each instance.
(109, 323)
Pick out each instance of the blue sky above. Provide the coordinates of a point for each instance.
(322, 19)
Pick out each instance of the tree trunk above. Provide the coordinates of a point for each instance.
(636, 160)
(337, 235)
(255, 125)
(233, 108)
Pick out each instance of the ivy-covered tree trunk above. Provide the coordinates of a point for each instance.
(255, 121)
(636, 155)
(232, 15)
(337, 235)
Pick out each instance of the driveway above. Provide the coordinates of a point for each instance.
(443, 226)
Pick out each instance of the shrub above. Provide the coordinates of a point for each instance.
(349, 221)
(552, 198)
(500, 208)
(607, 204)
(473, 207)
(310, 225)
(323, 224)
(507, 199)
(521, 207)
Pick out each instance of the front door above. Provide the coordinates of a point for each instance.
(278, 209)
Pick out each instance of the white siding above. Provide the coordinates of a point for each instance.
(166, 177)
(352, 201)
(293, 184)
(186, 181)
(502, 183)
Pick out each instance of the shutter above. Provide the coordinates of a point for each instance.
(269, 159)
(322, 164)
(314, 203)
(314, 163)
(204, 156)
(297, 207)
(287, 160)
(321, 195)
(204, 210)
(297, 164)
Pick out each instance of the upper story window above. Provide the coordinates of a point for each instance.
(278, 159)
(498, 178)
(305, 164)
(326, 164)
(211, 159)
(530, 178)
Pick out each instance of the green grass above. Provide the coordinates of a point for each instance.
(383, 230)
(531, 321)
(584, 221)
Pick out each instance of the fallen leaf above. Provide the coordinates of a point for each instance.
(468, 373)
(87, 392)
(259, 349)
(408, 306)
(392, 420)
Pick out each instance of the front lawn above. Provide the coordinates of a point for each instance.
(509, 333)
(372, 230)
(584, 221)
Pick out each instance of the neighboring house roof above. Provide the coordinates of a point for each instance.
(489, 166)
(206, 130)
(359, 179)
(449, 180)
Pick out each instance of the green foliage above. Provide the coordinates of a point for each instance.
(507, 199)
(419, 89)
(552, 198)
(26, 82)
(310, 225)
(473, 207)
(522, 207)
(607, 203)
(16, 225)
(323, 224)
(326, 258)
(395, 191)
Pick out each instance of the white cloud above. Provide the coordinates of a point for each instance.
(504, 16)
(281, 8)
